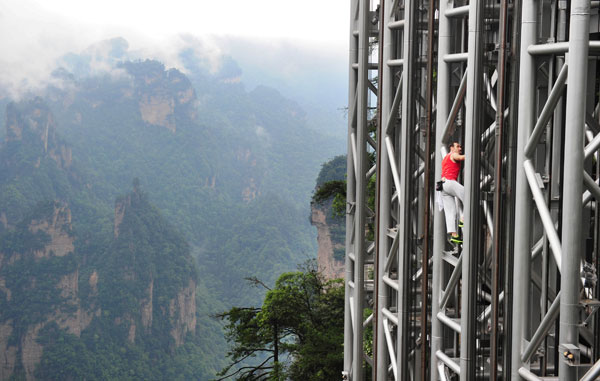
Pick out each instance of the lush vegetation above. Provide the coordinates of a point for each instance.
(297, 333)
(232, 182)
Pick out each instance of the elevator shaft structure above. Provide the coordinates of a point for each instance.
(516, 82)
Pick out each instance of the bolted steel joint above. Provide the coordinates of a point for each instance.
(570, 354)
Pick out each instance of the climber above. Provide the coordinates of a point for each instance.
(452, 190)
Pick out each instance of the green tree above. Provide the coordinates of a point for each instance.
(296, 334)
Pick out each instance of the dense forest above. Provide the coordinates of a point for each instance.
(133, 203)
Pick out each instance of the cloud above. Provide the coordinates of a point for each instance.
(28, 53)
(36, 35)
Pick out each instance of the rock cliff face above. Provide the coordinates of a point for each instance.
(33, 121)
(330, 266)
(182, 311)
(164, 97)
(19, 334)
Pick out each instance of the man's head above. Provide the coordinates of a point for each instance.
(455, 147)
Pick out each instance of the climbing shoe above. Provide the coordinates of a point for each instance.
(457, 240)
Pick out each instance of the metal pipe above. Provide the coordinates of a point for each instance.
(473, 106)
(449, 322)
(371, 172)
(456, 105)
(527, 375)
(488, 310)
(490, 94)
(350, 194)
(592, 147)
(573, 188)
(544, 213)
(390, 282)
(509, 223)
(390, 348)
(395, 25)
(523, 203)
(448, 362)
(559, 48)
(593, 373)
(455, 57)
(395, 63)
(591, 185)
(497, 224)
(392, 162)
(390, 316)
(462, 11)
(427, 190)
(439, 227)
(454, 278)
(395, 107)
(547, 111)
(389, 258)
(405, 214)
(381, 331)
(543, 328)
(592, 123)
(352, 151)
(360, 210)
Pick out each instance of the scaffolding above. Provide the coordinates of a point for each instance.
(516, 82)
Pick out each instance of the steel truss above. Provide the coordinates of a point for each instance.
(516, 82)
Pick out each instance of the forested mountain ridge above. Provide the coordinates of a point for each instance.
(230, 172)
(70, 298)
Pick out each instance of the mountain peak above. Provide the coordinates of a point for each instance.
(164, 96)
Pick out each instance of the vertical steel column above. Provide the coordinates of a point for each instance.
(384, 179)
(523, 202)
(350, 189)
(472, 193)
(429, 180)
(573, 185)
(360, 207)
(404, 199)
(498, 194)
(439, 225)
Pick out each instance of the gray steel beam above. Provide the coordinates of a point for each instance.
(360, 206)
(593, 373)
(439, 227)
(404, 196)
(384, 193)
(573, 188)
(523, 203)
(474, 107)
(350, 190)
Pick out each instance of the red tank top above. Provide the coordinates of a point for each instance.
(450, 168)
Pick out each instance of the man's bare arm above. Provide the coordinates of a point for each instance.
(457, 157)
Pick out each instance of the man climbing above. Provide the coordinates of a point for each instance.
(451, 190)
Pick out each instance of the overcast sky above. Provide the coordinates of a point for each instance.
(33, 33)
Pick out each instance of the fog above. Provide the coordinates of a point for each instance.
(297, 47)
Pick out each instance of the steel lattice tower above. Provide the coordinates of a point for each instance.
(516, 82)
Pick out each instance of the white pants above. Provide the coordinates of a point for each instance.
(453, 190)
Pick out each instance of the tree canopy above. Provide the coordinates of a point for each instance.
(296, 334)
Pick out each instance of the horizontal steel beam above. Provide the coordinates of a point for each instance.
(451, 364)
(559, 48)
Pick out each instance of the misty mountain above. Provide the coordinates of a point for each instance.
(227, 176)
